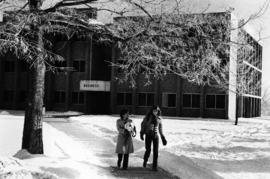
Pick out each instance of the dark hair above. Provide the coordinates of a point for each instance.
(122, 112)
(150, 112)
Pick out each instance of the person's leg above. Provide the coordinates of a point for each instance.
(120, 156)
(148, 141)
(155, 152)
(125, 162)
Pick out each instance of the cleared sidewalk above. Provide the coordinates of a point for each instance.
(104, 150)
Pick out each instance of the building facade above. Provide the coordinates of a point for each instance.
(90, 86)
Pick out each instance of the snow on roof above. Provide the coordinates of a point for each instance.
(47, 4)
(252, 32)
(248, 28)
(94, 22)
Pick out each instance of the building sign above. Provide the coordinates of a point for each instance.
(89, 85)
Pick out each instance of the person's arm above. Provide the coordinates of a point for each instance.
(160, 128)
(143, 126)
(119, 127)
(164, 141)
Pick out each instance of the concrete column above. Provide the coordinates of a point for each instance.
(232, 69)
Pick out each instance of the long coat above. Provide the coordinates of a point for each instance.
(124, 143)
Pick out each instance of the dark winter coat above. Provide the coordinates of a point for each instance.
(151, 125)
(124, 143)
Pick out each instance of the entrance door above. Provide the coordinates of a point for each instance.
(99, 102)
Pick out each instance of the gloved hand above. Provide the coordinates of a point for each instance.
(141, 136)
(164, 141)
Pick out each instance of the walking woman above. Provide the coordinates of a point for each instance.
(124, 146)
(151, 126)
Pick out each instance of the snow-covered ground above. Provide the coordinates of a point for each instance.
(195, 146)
(63, 156)
(232, 152)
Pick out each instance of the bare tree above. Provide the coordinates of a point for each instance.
(28, 34)
(196, 47)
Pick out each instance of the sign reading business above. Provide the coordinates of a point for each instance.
(90, 85)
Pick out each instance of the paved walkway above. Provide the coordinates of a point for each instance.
(104, 150)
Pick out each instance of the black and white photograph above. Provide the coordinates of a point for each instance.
(134, 89)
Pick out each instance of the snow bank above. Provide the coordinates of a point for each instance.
(184, 167)
(12, 168)
(64, 157)
(11, 129)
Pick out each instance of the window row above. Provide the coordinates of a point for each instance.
(59, 97)
(76, 97)
(212, 101)
(144, 99)
(251, 52)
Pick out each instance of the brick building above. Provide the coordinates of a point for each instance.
(91, 87)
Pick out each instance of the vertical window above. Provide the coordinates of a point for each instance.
(168, 100)
(191, 100)
(8, 96)
(210, 101)
(215, 101)
(77, 98)
(59, 97)
(79, 66)
(124, 98)
(220, 101)
(9, 66)
(145, 99)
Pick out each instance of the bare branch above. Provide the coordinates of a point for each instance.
(142, 8)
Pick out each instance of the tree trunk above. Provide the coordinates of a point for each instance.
(32, 132)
